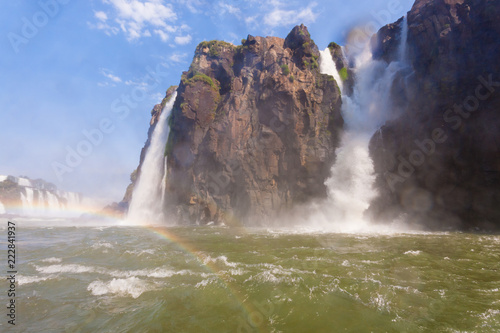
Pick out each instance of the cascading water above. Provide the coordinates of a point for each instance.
(351, 185)
(146, 206)
(164, 181)
(29, 196)
(404, 39)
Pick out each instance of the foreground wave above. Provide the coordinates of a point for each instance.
(212, 279)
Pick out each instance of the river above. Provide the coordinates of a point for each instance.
(217, 279)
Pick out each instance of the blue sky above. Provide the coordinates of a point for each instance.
(76, 76)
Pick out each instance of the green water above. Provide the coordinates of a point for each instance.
(128, 279)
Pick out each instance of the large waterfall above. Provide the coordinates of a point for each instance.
(147, 199)
(37, 198)
(351, 185)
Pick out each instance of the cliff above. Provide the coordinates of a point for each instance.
(439, 162)
(253, 130)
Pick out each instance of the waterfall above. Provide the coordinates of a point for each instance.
(2, 208)
(52, 202)
(351, 184)
(29, 196)
(404, 39)
(146, 206)
(41, 200)
(164, 181)
(24, 202)
(327, 66)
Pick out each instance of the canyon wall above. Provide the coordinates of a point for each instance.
(438, 163)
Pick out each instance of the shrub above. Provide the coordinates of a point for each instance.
(343, 74)
(333, 45)
(284, 69)
(213, 52)
(291, 78)
(199, 77)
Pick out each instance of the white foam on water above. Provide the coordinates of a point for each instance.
(140, 252)
(207, 259)
(380, 302)
(208, 281)
(22, 280)
(69, 268)
(131, 286)
(276, 274)
(100, 245)
(158, 272)
(52, 260)
(413, 253)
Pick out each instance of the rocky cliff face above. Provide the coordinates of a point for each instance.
(253, 130)
(439, 162)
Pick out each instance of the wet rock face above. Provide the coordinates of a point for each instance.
(253, 130)
(439, 162)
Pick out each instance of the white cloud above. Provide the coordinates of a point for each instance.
(250, 20)
(110, 75)
(281, 17)
(183, 40)
(108, 30)
(178, 57)
(225, 7)
(137, 18)
(193, 5)
(101, 16)
(163, 35)
(157, 97)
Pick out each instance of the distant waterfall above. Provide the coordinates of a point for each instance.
(351, 185)
(38, 198)
(147, 206)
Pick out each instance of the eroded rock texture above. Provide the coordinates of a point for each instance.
(439, 162)
(253, 130)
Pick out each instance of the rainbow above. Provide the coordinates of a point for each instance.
(16, 208)
(249, 308)
(249, 324)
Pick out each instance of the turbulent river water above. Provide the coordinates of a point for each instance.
(216, 279)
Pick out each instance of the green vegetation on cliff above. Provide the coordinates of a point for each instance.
(215, 47)
(343, 74)
(284, 69)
